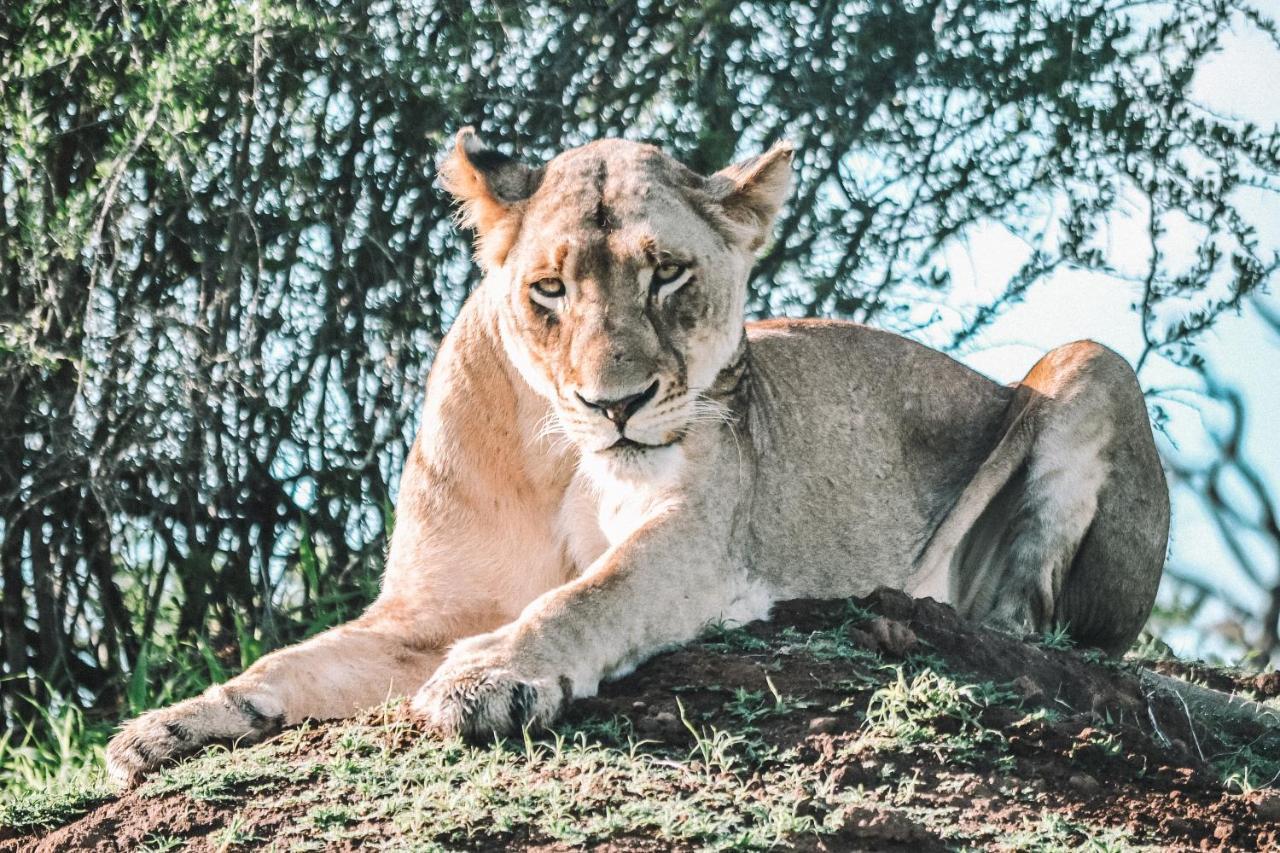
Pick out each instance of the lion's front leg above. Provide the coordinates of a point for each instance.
(660, 587)
(331, 675)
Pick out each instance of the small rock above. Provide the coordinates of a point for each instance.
(869, 824)
(1033, 729)
(893, 603)
(812, 807)
(936, 615)
(664, 723)
(1126, 701)
(845, 776)
(1027, 688)
(863, 640)
(639, 705)
(1267, 684)
(1224, 830)
(1267, 805)
(824, 725)
(1084, 783)
(893, 637)
(1100, 699)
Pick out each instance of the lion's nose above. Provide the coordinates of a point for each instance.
(621, 409)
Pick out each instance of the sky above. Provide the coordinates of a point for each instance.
(1241, 81)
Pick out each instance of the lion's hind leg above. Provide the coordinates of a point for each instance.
(1076, 535)
(331, 675)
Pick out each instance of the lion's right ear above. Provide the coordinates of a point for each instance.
(491, 189)
(752, 191)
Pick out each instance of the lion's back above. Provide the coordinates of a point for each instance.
(865, 438)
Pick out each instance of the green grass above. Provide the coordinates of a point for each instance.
(223, 776)
(583, 783)
(161, 844)
(1250, 766)
(718, 793)
(377, 781)
(370, 781)
(1059, 638)
(731, 639)
(50, 806)
(51, 769)
(752, 705)
(930, 709)
(56, 759)
(1057, 834)
(52, 766)
(57, 746)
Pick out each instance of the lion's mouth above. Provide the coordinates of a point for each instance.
(624, 444)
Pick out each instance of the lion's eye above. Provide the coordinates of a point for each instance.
(668, 277)
(547, 291)
(667, 273)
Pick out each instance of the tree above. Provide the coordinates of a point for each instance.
(224, 265)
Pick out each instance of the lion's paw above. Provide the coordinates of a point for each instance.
(477, 702)
(145, 744)
(164, 736)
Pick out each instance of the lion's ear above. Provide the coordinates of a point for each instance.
(752, 191)
(491, 189)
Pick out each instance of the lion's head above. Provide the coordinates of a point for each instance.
(623, 278)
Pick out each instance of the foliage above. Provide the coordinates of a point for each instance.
(1243, 503)
(224, 264)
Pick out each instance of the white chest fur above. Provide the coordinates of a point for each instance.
(607, 502)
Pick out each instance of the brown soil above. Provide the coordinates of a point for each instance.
(1114, 756)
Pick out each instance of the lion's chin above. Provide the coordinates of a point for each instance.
(633, 461)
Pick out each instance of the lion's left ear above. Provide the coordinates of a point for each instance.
(491, 189)
(752, 191)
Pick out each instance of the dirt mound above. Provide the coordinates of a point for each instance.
(882, 723)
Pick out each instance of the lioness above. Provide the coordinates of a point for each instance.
(610, 461)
